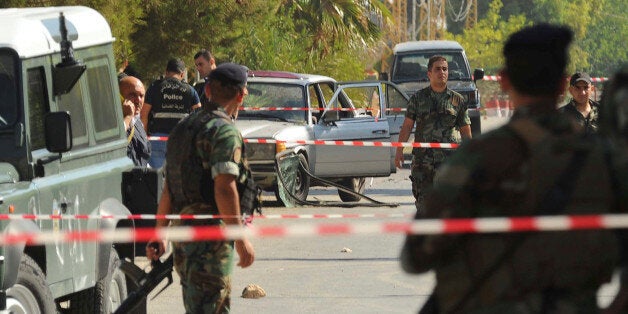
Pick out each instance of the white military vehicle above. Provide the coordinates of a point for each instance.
(63, 153)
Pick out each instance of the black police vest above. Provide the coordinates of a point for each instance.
(173, 101)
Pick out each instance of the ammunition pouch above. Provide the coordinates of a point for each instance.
(250, 196)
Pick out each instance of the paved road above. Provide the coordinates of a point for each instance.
(313, 275)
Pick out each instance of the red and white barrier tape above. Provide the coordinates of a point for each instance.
(306, 109)
(497, 78)
(194, 217)
(338, 143)
(419, 227)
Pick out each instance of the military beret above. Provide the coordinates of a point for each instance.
(230, 73)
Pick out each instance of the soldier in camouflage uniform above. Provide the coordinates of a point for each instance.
(501, 174)
(614, 125)
(205, 149)
(441, 116)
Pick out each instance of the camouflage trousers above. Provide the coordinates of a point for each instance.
(422, 176)
(205, 269)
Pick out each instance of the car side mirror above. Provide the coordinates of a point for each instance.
(383, 76)
(478, 74)
(58, 130)
(331, 116)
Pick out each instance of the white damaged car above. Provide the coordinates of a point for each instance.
(288, 107)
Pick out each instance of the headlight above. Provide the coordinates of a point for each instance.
(255, 151)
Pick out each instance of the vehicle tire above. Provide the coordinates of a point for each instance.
(108, 293)
(111, 290)
(30, 294)
(476, 126)
(354, 184)
(301, 186)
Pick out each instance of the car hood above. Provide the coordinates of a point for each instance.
(263, 128)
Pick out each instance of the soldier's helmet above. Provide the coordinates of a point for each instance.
(614, 105)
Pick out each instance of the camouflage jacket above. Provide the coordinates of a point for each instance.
(193, 158)
(588, 123)
(438, 116)
(490, 176)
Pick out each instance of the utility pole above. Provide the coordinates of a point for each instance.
(472, 16)
(396, 32)
(433, 19)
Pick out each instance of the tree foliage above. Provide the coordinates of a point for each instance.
(483, 43)
(336, 37)
(600, 27)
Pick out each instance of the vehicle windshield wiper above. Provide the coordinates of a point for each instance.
(263, 115)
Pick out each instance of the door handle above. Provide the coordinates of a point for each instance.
(64, 207)
(380, 132)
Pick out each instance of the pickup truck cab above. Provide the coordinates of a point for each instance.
(63, 153)
(315, 107)
(409, 70)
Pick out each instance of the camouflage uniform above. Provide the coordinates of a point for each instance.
(438, 118)
(204, 267)
(550, 272)
(589, 123)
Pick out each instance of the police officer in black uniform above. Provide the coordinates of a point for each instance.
(167, 101)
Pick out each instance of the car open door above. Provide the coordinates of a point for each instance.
(395, 104)
(354, 113)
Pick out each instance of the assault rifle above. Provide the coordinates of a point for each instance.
(148, 282)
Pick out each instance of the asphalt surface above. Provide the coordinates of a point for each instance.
(317, 274)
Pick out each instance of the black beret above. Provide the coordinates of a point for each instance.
(544, 41)
(230, 73)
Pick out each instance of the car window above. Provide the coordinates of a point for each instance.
(8, 90)
(100, 94)
(265, 95)
(395, 99)
(74, 104)
(413, 66)
(37, 107)
(328, 91)
(365, 100)
(315, 101)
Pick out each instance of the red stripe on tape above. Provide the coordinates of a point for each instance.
(273, 231)
(334, 229)
(523, 224)
(208, 233)
(459, 225)
(586, 222)
(145, 234)
(84, 236)
(400, 227)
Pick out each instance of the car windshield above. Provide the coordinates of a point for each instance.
(265, 95)
(8, 90)
(413, 66)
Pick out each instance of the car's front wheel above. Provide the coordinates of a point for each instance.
(354, 184)
(297, 181)
(30, 294)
